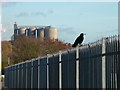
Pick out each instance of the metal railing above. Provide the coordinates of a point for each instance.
(95, 65)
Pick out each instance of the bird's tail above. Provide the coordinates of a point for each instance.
(73, 45)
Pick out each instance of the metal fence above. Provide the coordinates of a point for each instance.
(94, 65)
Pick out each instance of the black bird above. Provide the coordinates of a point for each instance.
(79, 40)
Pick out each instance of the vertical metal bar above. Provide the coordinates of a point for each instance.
(116, 81)
(56, 70)
(12, 77)
(68, 85)
(98, 71)
(22, 77)
(111, 60)
(43, 72)
(31, 74)
(103, 64)
(52, 72)
(8, 77)
(26, 74)
(77, 67)
(93, 69)
(17, 73)
(115, 60)
(39, 73)
(114, 63)
(47, 72)
(35, 73)
(83, 70)
(89, 67)
(5, 70)
(107, 66)
(111, 80)
(77, 74)
(5, 77)
(60, 70)
(118, 62)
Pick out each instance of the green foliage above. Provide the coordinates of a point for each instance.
(6, 52)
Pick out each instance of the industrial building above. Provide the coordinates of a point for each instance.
(36, 31)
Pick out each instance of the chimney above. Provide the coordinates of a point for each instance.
(15, 26)
(15, 29)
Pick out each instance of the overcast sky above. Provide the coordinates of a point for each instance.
(96, 19)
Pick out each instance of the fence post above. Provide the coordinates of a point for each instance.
(77, 67)
(47, 71)
(31, 73)
(60, 71)
(103, 64)
(118, 56)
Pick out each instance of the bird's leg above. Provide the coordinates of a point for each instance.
(78, 45)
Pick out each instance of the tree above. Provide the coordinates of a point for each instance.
(26, 48)
(6, 52)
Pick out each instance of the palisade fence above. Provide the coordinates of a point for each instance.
(95, 65)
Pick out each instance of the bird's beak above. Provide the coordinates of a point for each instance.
(84, 34)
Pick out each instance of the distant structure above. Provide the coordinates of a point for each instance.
(36, 31)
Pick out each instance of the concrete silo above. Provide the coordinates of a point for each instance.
(32, 31)
(18, 31)
(50, 32)
(40, 32)
(22, 30)
(28, 31)
(37, 31)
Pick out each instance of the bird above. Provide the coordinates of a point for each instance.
(79, 40)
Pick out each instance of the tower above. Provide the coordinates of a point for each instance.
(15, 29)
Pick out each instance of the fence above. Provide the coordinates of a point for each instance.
(94, 65)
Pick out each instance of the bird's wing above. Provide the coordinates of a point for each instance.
(76, 41)
(81, 40)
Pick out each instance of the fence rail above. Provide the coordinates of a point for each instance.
(95, 65)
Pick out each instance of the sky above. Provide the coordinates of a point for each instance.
(96, 19)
